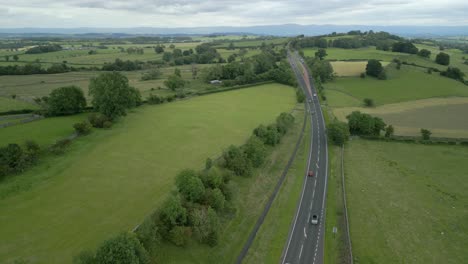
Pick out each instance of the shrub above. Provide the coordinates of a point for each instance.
(382, 76)
(363, 75)
(66, 101)
(368, 102)
(443, 58)
(155, 99)
(107, 124)
(97, 120)
(300, 97)
(283, 122)
(60, 146)
(179, 235)
(374, 68)
(148, 233)
(82, 128)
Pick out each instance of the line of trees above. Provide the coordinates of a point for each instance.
(44, 49)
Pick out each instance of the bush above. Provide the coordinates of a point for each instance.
(190, 185)
(148, 233)
(300, 97)
(155, 99)
(107, 124)
(368, 102)
(124, 248)
(97, 120)
(374, 68)
(66, 101)
(60, 146)
(82, 128)
(283, 122)
(363, 75)
(382, 76)
(179, 235)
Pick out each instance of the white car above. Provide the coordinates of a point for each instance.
(314, 220)
(315, 95)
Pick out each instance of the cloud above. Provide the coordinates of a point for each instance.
(190, 13)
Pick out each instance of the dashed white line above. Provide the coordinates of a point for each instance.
(300, 253)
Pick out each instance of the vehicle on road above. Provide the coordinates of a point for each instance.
(314, 219)
(315, 95)
(310, 100)
(310, 174)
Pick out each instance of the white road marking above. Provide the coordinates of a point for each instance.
(305, 234)
(300, 253)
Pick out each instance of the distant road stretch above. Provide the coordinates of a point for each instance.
(305, 243)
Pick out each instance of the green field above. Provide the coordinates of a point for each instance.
(110, 180)
(252, 194)
(357, 54)
(44, 131)
(440, 115)
(409, 83)
(350, 68)
(8, 104)
(273, 234)
(407, 202)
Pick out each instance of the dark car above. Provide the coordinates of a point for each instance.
(310, 174)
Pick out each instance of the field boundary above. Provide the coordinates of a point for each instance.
(350, 249)
(272, 197)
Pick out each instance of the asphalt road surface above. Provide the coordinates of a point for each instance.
(305, 243)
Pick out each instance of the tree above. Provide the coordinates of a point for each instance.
(205, 225)
(338, 132)
(231, 58)
(236, 160)
(174, 82)
(124, 248)
(190, 185)
(177, 72)
(216, 199)
(321, 69)
(212, 178)
(283, 122)
(405, 47)
(158, 49)
(321, 54)
(167, 56)
(443, 58)
(368, 102)
(7, 58)
(374, 68)
(389, 130)
(364, 124)
(231, 46)
(425, 134)
(66, 100)
(300, 96)
(15, 57)
(172, 213)
(424, 53)
(112, 94)
(255, 151)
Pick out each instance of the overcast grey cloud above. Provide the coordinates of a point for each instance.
(189, 13)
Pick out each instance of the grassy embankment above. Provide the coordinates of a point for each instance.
(110, 180)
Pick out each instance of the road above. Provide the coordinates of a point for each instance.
(305, 243)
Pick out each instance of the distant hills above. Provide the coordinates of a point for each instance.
(275, 30)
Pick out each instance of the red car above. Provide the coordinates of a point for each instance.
(310, 174)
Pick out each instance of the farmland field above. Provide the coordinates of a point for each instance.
(409, 83)
(110, 180)
(440, 115)
(8, 104)
(357, 54)
(44, 131)
(30, 86)
(407, 202)
(350, 68)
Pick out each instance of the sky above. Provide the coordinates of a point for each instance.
(207, 13)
